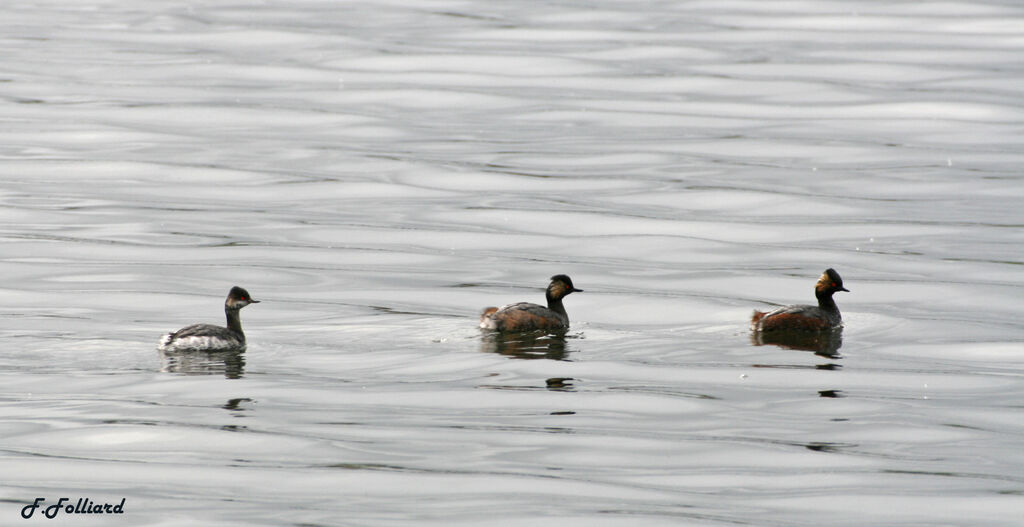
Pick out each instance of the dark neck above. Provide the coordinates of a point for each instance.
(555, 304)
(825, 301)
(234, 322)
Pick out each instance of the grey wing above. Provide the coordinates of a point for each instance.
(799, 317)
(800, 309)
(524, 306)
(527, 316)
(197, 330)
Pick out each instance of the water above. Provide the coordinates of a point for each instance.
(377, 172)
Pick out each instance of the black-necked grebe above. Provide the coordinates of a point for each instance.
(823, 316)
(525, 316)
(207, 337)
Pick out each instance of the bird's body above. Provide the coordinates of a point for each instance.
(804, 317)
(208, 337)
(524, 316)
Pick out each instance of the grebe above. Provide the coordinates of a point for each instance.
(525, 316)
(207, 337)
(804, 317)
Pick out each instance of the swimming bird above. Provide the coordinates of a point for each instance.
(207, 337)
(803, 317)
(525, 316)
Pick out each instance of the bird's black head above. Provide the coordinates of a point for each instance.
(560, 286)
(239, 298)
(831, 281)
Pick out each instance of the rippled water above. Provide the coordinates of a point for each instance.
(378, 172)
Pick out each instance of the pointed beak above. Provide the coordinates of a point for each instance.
(253, 301)
(574, 290)
(844, 289)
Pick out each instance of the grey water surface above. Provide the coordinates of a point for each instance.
(378, 172)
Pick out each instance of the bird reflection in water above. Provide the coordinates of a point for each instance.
(231, 364)
(822, 343)
(527, 345)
